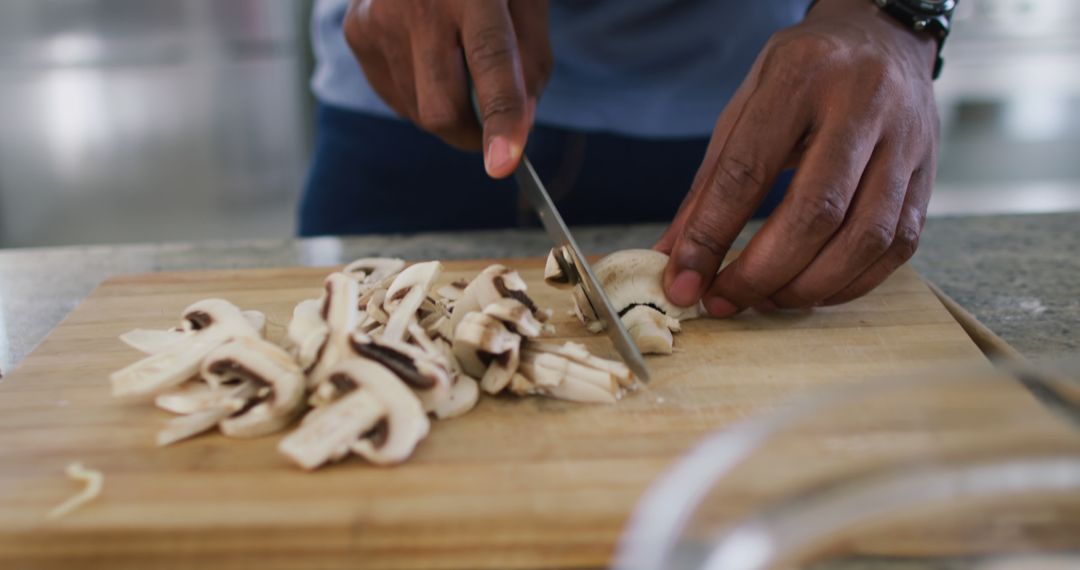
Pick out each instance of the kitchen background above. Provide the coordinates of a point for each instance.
(157, 120)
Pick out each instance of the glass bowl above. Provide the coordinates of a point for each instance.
(948, 469)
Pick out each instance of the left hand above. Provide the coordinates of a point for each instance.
(847, 96)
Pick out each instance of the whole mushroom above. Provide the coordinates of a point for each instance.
(632, 279)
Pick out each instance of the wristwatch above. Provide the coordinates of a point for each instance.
(931, 16)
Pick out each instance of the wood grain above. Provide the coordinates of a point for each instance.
(518, 483)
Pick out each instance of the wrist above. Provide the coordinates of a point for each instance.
(919, 46)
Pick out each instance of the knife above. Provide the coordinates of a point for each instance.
(569, 255)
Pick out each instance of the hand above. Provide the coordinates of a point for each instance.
(411, 53)
(847, 96)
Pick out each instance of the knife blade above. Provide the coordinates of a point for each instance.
(579, 269)
(534, 190)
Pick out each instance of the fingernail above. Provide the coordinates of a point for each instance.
(685, 289)
(500, 155)
(720, 307)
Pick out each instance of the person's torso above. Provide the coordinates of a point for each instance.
(650, 68)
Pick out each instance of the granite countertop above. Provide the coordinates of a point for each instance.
(1020, 275)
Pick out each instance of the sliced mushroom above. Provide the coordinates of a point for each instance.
(307, 332)
(426, 373)
(559, 272)
(376, 416)
(632, 280)
(570, 372)
(339, 311)
(486, 349)
(252, 388)
(405, 296)
(452, 292)
(153, 341)
(464, 391)
(207, 325)
(370, 271)
(516, 317)
(492, 284)
(278, 380)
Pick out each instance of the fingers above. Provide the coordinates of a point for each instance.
(442, 89)
(530, 19)
(760, 138)
(491, 52)
(864, 237)
(721, 132)
(812, 211)
(751, 143)
(905, 242)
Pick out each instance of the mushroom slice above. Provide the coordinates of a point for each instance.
(369, 271)
(493, 283)
(257, 320)
(406, 294)
(485, 348)
(208, 324)
(576, 352)
(559, 272)
(376, 417)
(632, 280)
(249, 388)
(464, 391)
(338, 310)
(307, 332)
(516, 316)
(564, 375)
(277, 380)
(192, 396)
(153, 341)
(427, 373)
(451, 292)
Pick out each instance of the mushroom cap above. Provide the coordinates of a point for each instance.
(632, 277)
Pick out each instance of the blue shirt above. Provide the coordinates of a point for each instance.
(648, 68)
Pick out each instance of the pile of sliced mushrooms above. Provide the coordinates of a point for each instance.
(382, 352)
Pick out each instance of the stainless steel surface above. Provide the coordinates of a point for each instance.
(1009, 99)
(150, 120)
(553, 223)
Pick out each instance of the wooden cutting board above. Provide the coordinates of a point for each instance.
(517, 483)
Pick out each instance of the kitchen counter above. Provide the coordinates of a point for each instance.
(1020, 275)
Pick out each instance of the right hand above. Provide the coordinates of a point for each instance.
(415, 54)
